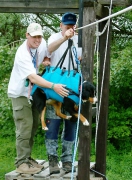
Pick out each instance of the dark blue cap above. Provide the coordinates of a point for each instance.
(69, 18)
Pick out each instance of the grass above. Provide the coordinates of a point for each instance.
(119, 166)
(119, 163)
(7, 154)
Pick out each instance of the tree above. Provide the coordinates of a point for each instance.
(11, 28)
(13, 25)
(122, 28)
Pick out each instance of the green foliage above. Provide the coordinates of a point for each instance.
(122, 29)
(6, 119)
(11, 28)
(6, 61)
(120, 106)
(118, 164)
(120, 122)
(13, 25)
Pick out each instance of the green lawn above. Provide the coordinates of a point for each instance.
(119, 164)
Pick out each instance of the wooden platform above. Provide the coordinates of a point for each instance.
(44, 175)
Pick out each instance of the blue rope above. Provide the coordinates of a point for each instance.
(78, 120)
(75, 54)
(76, 58)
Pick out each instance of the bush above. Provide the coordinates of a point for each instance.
(6, 118)
(120, 106)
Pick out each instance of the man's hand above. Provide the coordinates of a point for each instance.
(69, 33)
(46, 61)
(60, 89)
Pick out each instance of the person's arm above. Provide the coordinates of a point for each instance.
(56, 44)
(58, 88)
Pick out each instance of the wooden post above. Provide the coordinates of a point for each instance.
(103, 116)
(87, 71)
(80, 23)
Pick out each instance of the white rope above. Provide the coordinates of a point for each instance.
(100, 33)
(102, 82)
(97, 33)
(79, 110)
(78, 120)
(106, 18)
(97, 67)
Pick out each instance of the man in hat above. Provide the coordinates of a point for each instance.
(27, 60)
(57, 44)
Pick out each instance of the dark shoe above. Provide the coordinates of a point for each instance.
(27, 168)
(67, 166)
(35, 163)
(53, 164)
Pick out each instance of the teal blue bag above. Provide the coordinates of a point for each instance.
(57, 75)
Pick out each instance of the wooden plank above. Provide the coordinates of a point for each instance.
(45, 173)
(37, 10)
(52, 6)
(40, 4)
(56, 3)
(44, 7)
(11, 175)
(115, 2)
(36, 6)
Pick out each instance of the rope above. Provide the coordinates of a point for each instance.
(100, 33)
(97, 65)
(75, 54)
(78, 120)
(76, 138)
(106, 18)
(76, 58)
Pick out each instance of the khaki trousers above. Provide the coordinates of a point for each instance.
(26, 118)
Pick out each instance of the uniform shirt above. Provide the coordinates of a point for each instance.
(23, 67)
(57, 54)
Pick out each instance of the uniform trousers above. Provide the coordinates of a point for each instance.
(26, 118)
